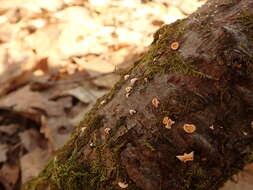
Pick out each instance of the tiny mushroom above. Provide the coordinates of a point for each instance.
(252, 124)
(83, 129)
(128, 89)
(122, 185)
(155, 102)
(186, 157)
(92, 145)
(211, 127)
(168, 122)
(133, 80)
(174, 45)
(189, 128)
(132, 112)
(107, 130)
(244, 133)
(103, 102)
(126, 77)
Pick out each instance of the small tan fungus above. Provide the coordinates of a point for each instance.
(155, 102)
(107, 130)
(189, 128)
(252, 124)
(186, 157)
(83, 129)
(133, 81)
(244, 133)
(168, 122)
(128, 89)
(123, 185)
(174, 45)
(132, 112)
(92, 145)
(103, 102)
(126, 77)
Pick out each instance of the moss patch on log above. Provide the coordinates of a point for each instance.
(163, 59)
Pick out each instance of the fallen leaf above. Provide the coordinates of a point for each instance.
(25, 100)
(3, 152)
(31, 139)
(33, 162)
(86, 95)
(51, 129)
(9, 175)
(9, 129)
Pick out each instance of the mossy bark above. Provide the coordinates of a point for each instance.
(207, 81)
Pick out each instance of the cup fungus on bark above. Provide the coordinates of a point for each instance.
(133, 81)
(174, 45)
(122, 185)
(132, 112)
(129, 89)
(189, 128)
(83, 129)
(126, 77)
(103, 102)
(92, 145)
(186, 157)
(168, 122)
(244, 133)
(107, 130)
(155, 102)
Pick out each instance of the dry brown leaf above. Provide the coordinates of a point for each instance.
(25, 100)
(244, 180)
(86, 95)
(51, 128)
(33, 162)
(3, 152)
(31, 139)
(107, 81)
(9, 175)
(77, 113)
(9, 129)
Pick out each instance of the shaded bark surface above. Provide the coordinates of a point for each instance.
(206, 82)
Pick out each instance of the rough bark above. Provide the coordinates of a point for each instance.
(206, 82)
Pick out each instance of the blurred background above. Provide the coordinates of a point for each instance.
(56, 58)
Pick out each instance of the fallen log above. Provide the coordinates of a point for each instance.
(179, 119)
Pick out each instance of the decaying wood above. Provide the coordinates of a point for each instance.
(198, 72)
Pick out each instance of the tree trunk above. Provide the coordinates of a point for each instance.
(180, 119)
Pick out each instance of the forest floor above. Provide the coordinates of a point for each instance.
(56, 58)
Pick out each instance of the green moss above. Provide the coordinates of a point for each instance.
(161, 59)
(246, 19)
(148, 145)
(69, 175)
(72, 175)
